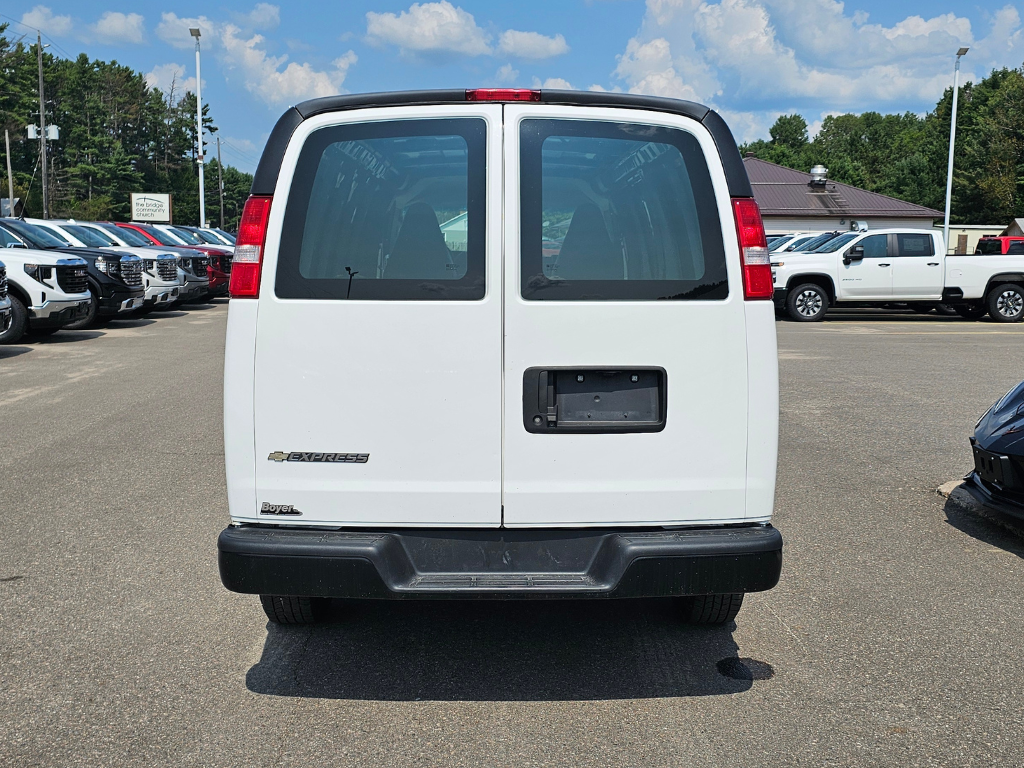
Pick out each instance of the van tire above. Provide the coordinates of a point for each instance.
(807, 303)
(89, 318)
(17, 324)
(711, 609)
(1006, 303)
(282, 609)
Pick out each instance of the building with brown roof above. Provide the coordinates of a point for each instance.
(794, 201)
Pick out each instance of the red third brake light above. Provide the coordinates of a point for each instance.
(248, 259)
(757, 268)
(502, 94)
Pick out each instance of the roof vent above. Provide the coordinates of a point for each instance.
(819, 175)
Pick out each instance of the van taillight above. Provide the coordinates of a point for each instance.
(502, 94)
(248, 259)
(757, 268)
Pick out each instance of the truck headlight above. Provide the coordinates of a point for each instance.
(107, 266)
(39, 272)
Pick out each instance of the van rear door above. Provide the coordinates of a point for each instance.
(625, 347)
(378, 348)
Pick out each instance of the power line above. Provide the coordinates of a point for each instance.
(43, 34)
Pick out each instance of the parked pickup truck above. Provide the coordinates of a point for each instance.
(5, 300)
(159, 270)
(897, 265)
(114, 281)
(45, 291)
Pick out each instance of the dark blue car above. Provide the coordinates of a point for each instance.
(998, 444)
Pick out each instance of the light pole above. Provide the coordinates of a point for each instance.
(952, 141)
(194, 31)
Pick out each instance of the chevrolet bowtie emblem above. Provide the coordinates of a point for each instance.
(278, 456)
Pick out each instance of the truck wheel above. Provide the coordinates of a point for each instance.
(807, 303)
(14, 329)
(1006, 303)
(89, 318)
(711, 609)
(946, 310)
(293, 610)
(971, 311)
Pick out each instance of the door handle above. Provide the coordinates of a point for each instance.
(933, 263)
(885, 265)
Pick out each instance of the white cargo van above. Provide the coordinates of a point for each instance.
(500, 343)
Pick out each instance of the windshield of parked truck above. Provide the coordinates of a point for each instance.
(797, 244)
(36, 237)
(781, 243)
(836, 243)
(989, 247)
(160, 236)
(189, 237)
(813, 243)
(129, 236)
(90, 237)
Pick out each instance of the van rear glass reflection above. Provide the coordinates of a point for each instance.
(617, 211)
(387, 210)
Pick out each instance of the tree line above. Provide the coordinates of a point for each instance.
(905, 155)
(118, 135)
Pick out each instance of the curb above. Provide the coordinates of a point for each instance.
(954, 492)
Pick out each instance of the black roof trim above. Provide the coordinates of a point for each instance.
(265, 180)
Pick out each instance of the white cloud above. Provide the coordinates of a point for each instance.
(114, 27)
(556, 83)
(166, 76)
(506, 74)
(243, 52)
(531, 45)
(42, 18)
(264, 77)
(745, 57)
(429, 28)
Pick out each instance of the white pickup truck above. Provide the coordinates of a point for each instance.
(897, 265)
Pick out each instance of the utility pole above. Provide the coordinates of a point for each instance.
(220, 183)
(952, 141)
(42, 129)
(194, 31)
(10, 178)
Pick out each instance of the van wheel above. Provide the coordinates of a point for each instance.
(807, 303)
(971, 311)
(89, 318)
(711, 609)
(14, 328)
(1006, 303)
(293, 610)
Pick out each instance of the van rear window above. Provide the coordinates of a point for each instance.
(617, 211)
(388, 210)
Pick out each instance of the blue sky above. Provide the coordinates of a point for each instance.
(750, 59)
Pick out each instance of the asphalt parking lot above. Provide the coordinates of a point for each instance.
(894, 638)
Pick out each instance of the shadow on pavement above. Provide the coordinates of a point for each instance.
(502, 651)
(135, 321)
(64, 337)
(983, 528)
(6, 352)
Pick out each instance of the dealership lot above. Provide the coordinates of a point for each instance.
(894, 637)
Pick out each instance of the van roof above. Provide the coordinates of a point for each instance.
(269, 168)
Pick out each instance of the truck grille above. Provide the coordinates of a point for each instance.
(225, 263)
(167, 269)
(199, 266)
(131, 272)
(71, 279)
(3, 283)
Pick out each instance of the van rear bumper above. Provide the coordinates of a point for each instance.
(499, 563)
